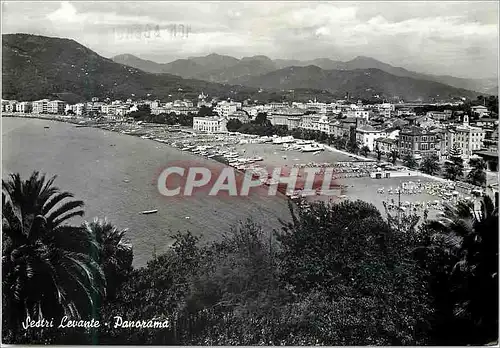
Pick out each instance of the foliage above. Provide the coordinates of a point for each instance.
(205, 111)
(409, 161)
(50, 268)
(463, 265)
(336, 274)
(233, 125)
(378, 151)
(393, 156)
(364, 151)
(430, 164)
(477, 175)
(115, 255)
(348, 252)
(143, 112)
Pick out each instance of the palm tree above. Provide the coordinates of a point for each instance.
(468, 233)
(49, 267)
(115, 255)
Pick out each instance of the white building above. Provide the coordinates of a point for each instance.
(210, 124)
(224, 108)
(40, 106)
(11, 106)
(466, 138)
(480, 110)
(79, 109)
(385, 109)
(56, 107)
(366, 136)
(23, 107)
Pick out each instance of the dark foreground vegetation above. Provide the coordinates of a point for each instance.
(339, 274)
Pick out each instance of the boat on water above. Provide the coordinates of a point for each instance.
(149, 211)
(311, 148)
(46, 127)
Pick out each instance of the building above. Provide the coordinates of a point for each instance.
(23, 107)
(309, 121)
(323, 124)
(465, 137)
(11, 106)
(364, 114)
(224, 108)
(239, 115)
(386, 145)
(422, 121)
(78, 109)
(480, 110)
(210, 124)
(417, 142)
(385, 109)
(40, 106)
(56, 107)
(485, 122)
(439, 116)
(405, 112)
(366, 135)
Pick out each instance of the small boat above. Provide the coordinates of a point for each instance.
(149, 211)
(46, 127)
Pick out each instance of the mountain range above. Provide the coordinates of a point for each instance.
(36, 67)
(226, 69)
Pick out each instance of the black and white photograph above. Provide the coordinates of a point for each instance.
(240, 173)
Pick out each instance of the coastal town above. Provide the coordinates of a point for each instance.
(377, 140)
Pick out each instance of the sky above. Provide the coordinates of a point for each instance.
(443, 38)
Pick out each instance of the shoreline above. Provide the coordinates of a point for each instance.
(149, 127)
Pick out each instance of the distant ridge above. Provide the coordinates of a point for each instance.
(226, 69)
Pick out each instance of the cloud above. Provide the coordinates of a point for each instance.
(435, 37)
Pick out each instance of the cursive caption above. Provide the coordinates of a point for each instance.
(152, 32)
(118, 323)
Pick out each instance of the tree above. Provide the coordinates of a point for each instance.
(477, 175)
(142, 114)
(365, 150)
(352, 146)
(409, 161)
(261, 119)
(234, 124)
(430, 164)
(49, 267)
(361, 265)
(467, 277)
(115, 255)
(205, 111)
(454, 165)
(394, 156)
(379, 153)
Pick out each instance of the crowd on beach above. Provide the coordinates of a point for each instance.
(446, 192)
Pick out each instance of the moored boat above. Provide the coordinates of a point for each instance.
(149, 211)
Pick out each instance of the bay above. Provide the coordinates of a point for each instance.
(115, 175)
